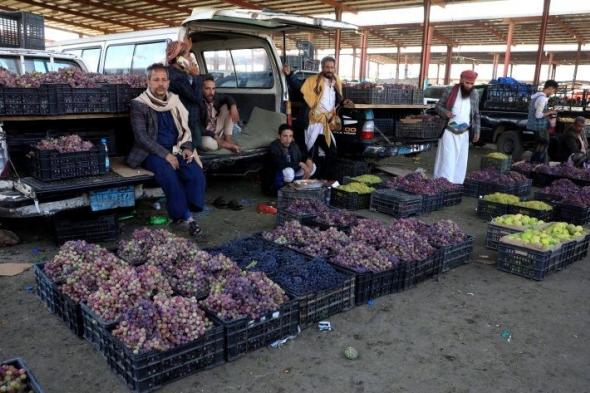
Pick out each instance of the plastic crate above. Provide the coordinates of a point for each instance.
(124, 94)
(527, 263)
(99, 228)
(417, 272)
(368, 95)
(453, 197)
(71, 100)
(425, 129)
(386, 126)
(508, 97)
(471, 188)
(399, 95)
(545, 197)
(396, 203)
(245, 335)
(418, 97)
(341, 168)
(46, 289)
(432, 203)
(288, 194)
(319, 306)
(545, 215)
(543, 179)
(523, 189)
(50, 165)
(350, 200)
(22, 30)
(19, 363)
(284, 217)
(572, 214)
(145, 372)
(502, 165)
(369, 285)
(581, 248)
(456, 255)
(17, 101)
(488, 210)
(495, 233)
(96, 330)
(567, 254)
(112, 198)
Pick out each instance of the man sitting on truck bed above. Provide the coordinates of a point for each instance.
(288, 162)
(218, 116)
(163, 146)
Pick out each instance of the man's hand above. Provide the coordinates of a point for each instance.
(235, 115)
(187, 154)
(193, 69)
(475, 138)
(286, 69)
(347, 103)
(172, 160)
(450, 114)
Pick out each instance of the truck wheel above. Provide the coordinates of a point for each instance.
(509, 143)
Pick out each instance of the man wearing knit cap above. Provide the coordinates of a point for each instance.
(460, 107)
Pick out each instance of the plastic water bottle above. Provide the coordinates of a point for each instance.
(107, 162)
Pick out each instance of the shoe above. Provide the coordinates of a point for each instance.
(235, 205)
(219, 202)
(194, 229)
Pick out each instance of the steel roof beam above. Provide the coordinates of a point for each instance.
(339, 5)
(124, 11)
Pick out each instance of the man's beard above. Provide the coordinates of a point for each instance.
(328, 75)
(210, 98)
(465, 92)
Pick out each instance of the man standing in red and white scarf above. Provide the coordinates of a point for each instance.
(460, 106)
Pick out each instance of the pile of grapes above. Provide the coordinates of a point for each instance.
(491, 175)
(568, 192)
(416, 183)
(564, 170)
(306, 207)
(68, 76)
(14, 380)
(65, 144)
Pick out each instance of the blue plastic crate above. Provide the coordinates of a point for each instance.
(112, 198)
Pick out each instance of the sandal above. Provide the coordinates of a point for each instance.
(235, 205)
(194, 229)
(219, 202)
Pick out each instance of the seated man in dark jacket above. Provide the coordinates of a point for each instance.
(574, 140)
(163, 145)
(288, 163)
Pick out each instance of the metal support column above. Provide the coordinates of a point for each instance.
(337, 40)
(542, 36)
(364, 57)
(495, 66)
(448, 64)
(406, 67)
(425, 45)
(550, 66)
(353, 62)
(508, 48)
(437, 72)
(397, 63)
(576, 65)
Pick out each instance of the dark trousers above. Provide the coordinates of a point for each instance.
(323, 163)
(184, 188)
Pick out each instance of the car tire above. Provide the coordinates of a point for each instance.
(509, 143)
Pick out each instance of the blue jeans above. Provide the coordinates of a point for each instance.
(184, 188)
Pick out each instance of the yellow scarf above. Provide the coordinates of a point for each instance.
(312, 91)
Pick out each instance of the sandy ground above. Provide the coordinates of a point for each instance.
(443, 336)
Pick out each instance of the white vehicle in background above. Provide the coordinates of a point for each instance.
(20, 60)
(121, 53)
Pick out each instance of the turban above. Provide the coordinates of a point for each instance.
(469, 75)
(175, 49)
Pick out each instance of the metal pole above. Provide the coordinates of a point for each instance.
(428, 52)
(397, 64)
(542, 36)
(550, 66)
(284, 48)
(576, 65)
(364, 57)
(448, 65)
(337, 40)
(406, 66)
(495, 67)
(508, 48)
(354, 63)
(425, 44)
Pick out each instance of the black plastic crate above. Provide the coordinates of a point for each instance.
(97, 228)
(386, 126)
(545, 197)
(543, 179)
(146, 372)
(22, 30)
(365, 95)
(432, 203)
(124, 94)
(51, 165)
(495, 233)
(71, 313)
(18, 101)
(350, 200)
(545, 215)
(453, 197)
(418, 97)
(46, 289)
(527, 263)
(419, 271)
(425, 129)
(572, 214)
(319, 306)
(342, 167)
(471, 188)
(70, 100)
(523, 189)
(284, 217)
(245, 335)
(488, 210)
(567, 254)
(369, 285)
(289, 194)
(508, 97)
(400, 95)
(19, 363)
(581, 248)
(457, 254)
(502, 165)
(96, 330)
(396, 203)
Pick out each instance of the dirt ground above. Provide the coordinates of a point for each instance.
(443, 336)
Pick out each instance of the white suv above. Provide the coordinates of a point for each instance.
(20, 61)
